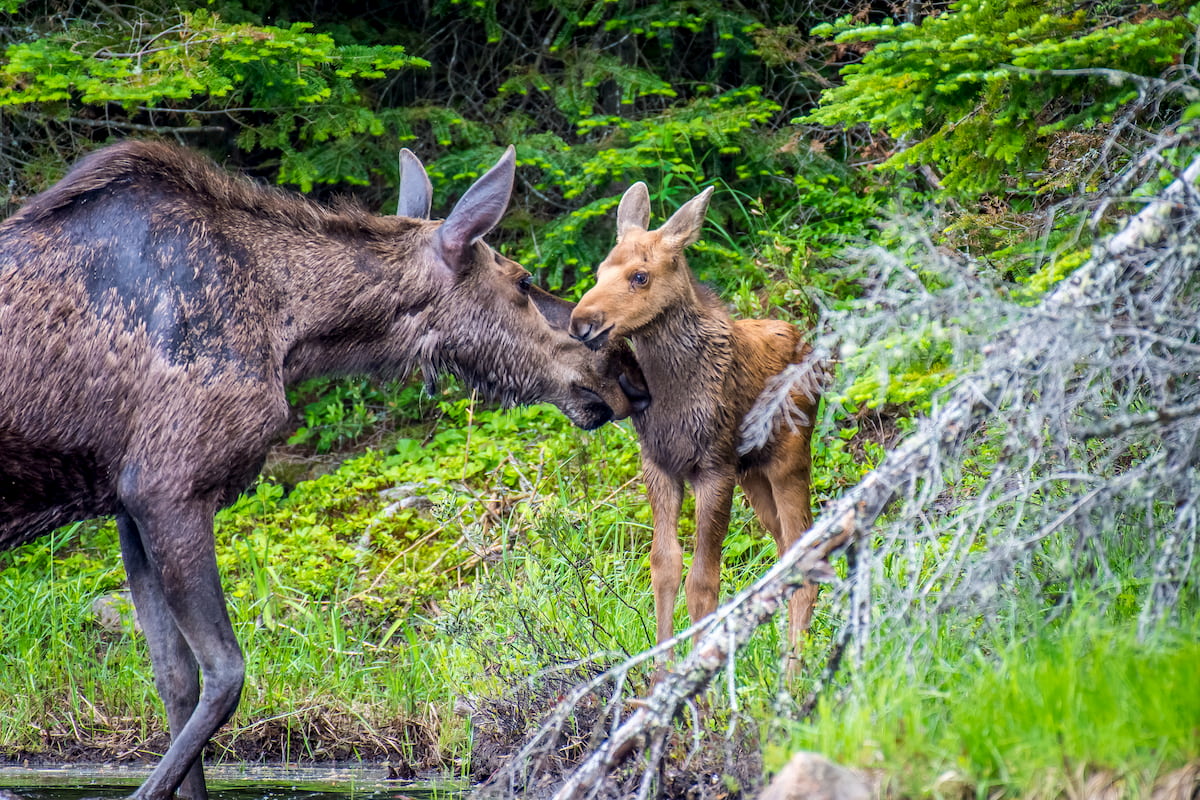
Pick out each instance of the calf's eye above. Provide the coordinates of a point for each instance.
(525, 282)
(639, 278)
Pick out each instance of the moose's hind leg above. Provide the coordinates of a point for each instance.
(790, 490)
(785, 511)
(177, 593)
(176, 674)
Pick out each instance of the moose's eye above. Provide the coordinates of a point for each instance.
(639, 278)
(524, 284)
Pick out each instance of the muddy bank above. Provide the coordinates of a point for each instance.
(310, 736)
(360, 781)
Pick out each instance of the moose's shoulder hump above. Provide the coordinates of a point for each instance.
(126, 162)
(156, 168)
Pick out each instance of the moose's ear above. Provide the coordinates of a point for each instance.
(634, 209)
(684, 226)
(478, 211)
(556, 310)
(416, 192)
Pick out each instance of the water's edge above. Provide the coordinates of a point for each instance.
(229, 782)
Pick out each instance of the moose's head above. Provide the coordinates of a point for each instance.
(497, 331)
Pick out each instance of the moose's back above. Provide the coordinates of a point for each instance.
(132, 317)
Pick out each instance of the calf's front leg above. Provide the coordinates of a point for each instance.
(665, 492)
(714, 496)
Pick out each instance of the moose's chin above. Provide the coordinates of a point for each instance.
(599, 340)
(588, 410)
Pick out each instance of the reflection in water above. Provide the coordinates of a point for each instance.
(237, 782)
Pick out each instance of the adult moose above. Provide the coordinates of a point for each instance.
(707, 372)
(152, 310)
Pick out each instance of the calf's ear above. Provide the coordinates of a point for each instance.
(684, 226)
(477, 212)
(416, 192)
(633, 210)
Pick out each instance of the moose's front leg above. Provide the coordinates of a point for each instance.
(714, 496)
(173, 572)
(666, 556)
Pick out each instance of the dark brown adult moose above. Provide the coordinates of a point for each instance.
(152, 310)
(708, 374)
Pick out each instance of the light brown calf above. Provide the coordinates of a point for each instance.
(705, 372)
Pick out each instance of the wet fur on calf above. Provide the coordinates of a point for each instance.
(153, 309)
(706, 372)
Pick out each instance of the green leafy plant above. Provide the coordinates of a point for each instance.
(981, 90)
(339, 413)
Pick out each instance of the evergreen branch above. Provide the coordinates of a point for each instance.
(121, 125)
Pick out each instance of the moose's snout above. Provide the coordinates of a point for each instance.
(589, 329)
(595, 412)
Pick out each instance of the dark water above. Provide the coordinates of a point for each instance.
(357, 782)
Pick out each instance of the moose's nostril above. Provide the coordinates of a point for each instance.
(590, 330)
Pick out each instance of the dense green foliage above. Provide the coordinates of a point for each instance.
(985, 91)
(618, 94)
(469, 549)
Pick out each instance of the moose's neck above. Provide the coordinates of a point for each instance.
(686, 356)
(353, 299)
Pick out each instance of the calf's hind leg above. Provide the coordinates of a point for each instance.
(786, 512)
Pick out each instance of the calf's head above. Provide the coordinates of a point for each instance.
(644, 275)
(498, 332)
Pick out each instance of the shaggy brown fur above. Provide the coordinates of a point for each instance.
(152, 310)
(705, 371)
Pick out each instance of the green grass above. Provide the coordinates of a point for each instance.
(1005, 718)
(334, 590)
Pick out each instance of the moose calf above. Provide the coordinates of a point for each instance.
(705, 372)
(152, 310)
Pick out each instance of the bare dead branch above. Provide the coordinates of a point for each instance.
(1131, 422)
(1145, 84)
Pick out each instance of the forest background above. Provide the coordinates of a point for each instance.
(417, 578)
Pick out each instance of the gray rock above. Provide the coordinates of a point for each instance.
(114, 612)
(811, 776)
